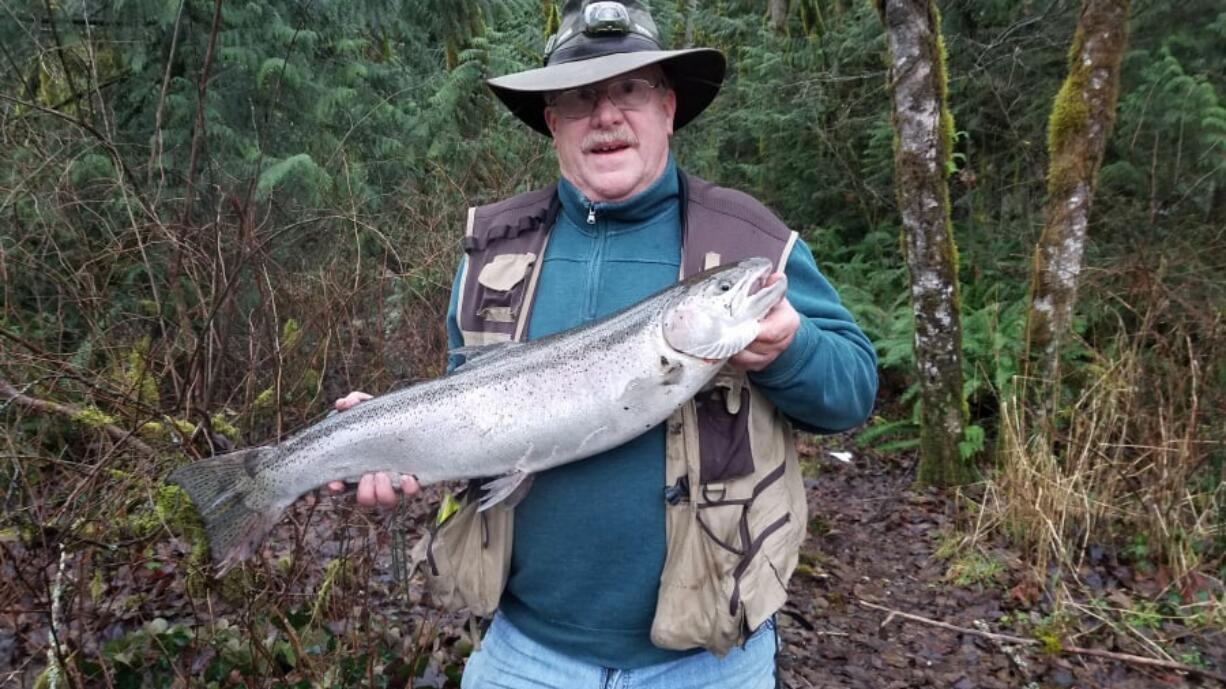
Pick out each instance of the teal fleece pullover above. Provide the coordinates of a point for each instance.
(589, 541)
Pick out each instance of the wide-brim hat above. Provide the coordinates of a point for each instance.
(599, 40)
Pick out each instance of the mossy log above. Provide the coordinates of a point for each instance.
(90, 417)
(923, 131)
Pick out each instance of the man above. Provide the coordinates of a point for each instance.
(659, 563)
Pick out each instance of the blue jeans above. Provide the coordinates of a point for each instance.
(510, 660)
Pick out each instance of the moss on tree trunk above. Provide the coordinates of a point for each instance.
(922, 146)
(1077, 134)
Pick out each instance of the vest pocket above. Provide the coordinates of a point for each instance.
(501, 285)
(692, 605)
(468, 557)
(725, 451)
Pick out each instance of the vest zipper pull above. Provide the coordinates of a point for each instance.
(591, 214)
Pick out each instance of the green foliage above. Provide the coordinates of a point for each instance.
(790, 123)
(993, 317)
(171, 509)
(890, 437)
(969, 564)
(290, 653)
(971, 443)
(1172, 141)
(307, 177)
(974, 568)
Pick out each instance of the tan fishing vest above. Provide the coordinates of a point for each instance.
(736, 511)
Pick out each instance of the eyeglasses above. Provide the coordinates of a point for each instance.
(626, 94)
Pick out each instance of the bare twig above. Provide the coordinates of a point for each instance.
(198, 129)
(1021, 640)
(155, 150)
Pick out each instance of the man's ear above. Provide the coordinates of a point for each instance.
(551, 120)
(670, 108)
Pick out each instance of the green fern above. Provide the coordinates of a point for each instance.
(1173, 135)
(299, 169)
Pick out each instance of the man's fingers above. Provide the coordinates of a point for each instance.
(770, 336)
(384, 493)
(366, 490)
(377, 488)
(759, 348)
(775, 334)
(779, 325)
(351, 400)
(408, 484)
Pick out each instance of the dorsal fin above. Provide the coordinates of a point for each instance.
(484, 354)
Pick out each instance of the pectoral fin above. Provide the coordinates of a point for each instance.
(507, 490)
(732, 342)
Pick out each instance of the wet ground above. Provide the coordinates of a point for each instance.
(874, 540)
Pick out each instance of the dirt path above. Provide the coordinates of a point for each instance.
(873, 539)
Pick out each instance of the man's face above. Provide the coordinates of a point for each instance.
(614, 153)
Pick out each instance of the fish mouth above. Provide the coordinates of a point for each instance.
(754, 297)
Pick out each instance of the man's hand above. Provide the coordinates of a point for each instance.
(374, 488)
(779, 327)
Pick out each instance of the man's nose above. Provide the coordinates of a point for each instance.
(605, 112)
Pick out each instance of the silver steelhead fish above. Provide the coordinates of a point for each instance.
(514, 411)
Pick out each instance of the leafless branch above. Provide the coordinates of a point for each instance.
(1023, 641)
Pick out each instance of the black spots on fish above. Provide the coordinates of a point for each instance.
(625, 408)
(670, 371)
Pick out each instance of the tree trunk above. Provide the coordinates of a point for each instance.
(923, 132)
(1077, 134)
(691, 9)
(779, 15)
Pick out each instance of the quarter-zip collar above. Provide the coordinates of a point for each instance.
(650, 203)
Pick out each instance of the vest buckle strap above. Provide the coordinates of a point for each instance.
(679, 492)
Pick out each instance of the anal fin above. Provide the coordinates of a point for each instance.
(506, 490)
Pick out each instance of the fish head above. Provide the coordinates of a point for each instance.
(716, 313)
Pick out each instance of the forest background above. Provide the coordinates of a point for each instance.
(217, 217)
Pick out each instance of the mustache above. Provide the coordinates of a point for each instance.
(620, 136)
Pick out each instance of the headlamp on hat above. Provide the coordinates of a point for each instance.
(591, 28)
(606, 18)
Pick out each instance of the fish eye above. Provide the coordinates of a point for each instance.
(724, 286)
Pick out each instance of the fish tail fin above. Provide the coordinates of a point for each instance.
(236, 511)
